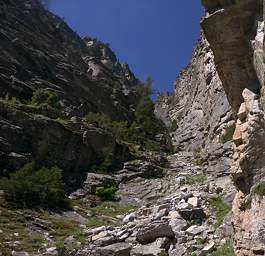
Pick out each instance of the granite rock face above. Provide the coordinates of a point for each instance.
(54, 57)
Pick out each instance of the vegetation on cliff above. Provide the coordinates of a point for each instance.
(143, 129)
(32, 186)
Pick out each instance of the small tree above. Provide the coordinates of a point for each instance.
(45, 98)
(106, 193)
(35, 187)
(144, 111)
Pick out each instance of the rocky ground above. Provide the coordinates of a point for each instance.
(184, 211)
(180, 214)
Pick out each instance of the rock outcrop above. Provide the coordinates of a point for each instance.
(199, 113)
(40, 52)
(235, 31)
(219, 97)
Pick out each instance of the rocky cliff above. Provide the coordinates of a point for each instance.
(219, 97)
(42, 56)
(151, 203)
(199, 114)
(235, 31)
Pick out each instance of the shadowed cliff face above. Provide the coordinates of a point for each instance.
(39, 51)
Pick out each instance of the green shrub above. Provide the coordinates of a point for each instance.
(174, 125)
(221, 208)
(9, 100)
(120, 129)
(228, 135)
(198, 178)
(34, 187)
(104, 164)
(106, 194)
(144, 111)
(132, 133)
(144, 127)
(224, 250)
(259, 189)
(199, 157)
(45, 98)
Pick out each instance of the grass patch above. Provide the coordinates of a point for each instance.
(221, 208)
(228, 135)
(62, 228)
(13, 224)
(94, 222)
(199, 157)
(111, 209)
(163, 253)
(224, 250)
(259, 189)
(199, 178)
(106, 193)
(17, 234)
(63, 121)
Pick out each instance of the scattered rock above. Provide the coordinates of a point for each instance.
(195, 230)
(193, 201)
(207, 249)
(14, 253)
(129, 218)
(153, 231)
(118, 249)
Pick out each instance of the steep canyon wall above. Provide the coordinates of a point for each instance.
(218, 103)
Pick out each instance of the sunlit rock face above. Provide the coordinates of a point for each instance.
(235, 31)
(230, 27)
(200, 111)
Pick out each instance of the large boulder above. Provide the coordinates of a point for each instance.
(95, 180)
(157, 248)
(118, 249)
(153, 231)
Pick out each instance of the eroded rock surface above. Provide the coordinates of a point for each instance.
(39, 51)
(235, 30)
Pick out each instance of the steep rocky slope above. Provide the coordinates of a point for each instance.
(39, 52)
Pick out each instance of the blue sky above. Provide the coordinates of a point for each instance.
(154, 37)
